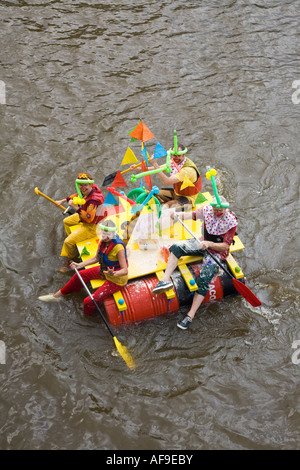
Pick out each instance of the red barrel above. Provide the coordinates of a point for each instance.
(143, 304)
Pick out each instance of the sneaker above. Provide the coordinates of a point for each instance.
(49, 298)
(185, 323)
(162, 286)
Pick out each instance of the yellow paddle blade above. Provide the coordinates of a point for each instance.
(124, 353)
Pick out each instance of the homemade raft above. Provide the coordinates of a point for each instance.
(147, 259)
(150, 239)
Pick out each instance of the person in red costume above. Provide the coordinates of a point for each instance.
(89, 212)
(219, 225)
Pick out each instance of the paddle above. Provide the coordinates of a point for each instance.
(110, 178)
(121, 349)
(240, 287)
(66, 210)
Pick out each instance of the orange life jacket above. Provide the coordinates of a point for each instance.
(189, 190)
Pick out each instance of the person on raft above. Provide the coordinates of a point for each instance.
(219, 229)
(88, 204)
(182, 169)
(112, 268)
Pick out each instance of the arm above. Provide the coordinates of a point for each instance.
(220, 247)
(85, 263)
(197, 214)
(68, 200)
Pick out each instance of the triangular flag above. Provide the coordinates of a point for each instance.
(147, 177)
(129, 157)
(119, 181)
(110, 200)
(159, 151)
(141, 132)
(144, 166)
(145, 155)
(200, 199)
(133, 139)
(186, 182)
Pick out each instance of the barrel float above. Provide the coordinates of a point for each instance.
(142, 304)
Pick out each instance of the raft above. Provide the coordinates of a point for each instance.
(147, 261)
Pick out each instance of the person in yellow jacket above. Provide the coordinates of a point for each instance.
(88, 204)
(184, 177)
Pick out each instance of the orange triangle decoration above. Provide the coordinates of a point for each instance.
(129, 157)
(141, 132)
(119, 181)
(147, 178)
(186, 182)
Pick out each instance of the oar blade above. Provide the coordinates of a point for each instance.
(246, 293)
(109, 179)
(125, 354)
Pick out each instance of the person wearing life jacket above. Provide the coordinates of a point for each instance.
(88, 204)
(112, 267)
(219, 229)
(185, 178)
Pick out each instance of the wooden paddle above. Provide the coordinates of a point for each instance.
(121, 349)
(240, 287)
(109, 178)
(66, 210)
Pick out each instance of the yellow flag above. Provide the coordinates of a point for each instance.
(129, 157)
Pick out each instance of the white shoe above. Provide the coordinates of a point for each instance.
(49, 298)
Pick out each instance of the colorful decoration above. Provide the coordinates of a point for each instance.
(108, 229)
(129, 157)
(119, 181)
(78, 201)
(175, 151)
(110, 200)
(200, 199)
(141, 132)
(186, 182)
(138, 208)
(145, 154)
(82, 179)
(147, 177)
(159, 151)
(210, 175)
(85, 251)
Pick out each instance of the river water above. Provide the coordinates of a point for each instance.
(76, 77)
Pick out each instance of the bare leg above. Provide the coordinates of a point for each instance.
(197, 301)
(171, 266)
(57, 294)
